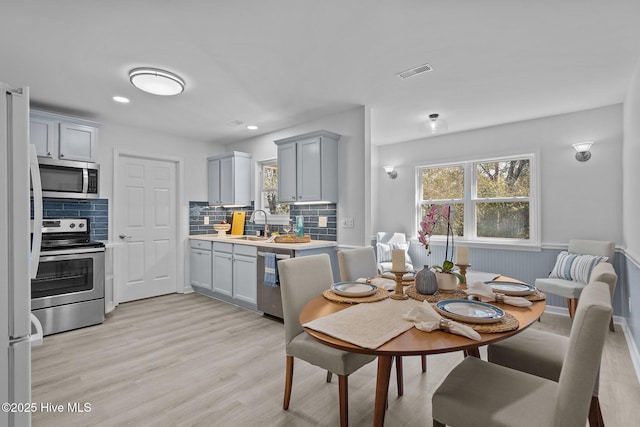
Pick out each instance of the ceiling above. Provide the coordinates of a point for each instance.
(279, 63)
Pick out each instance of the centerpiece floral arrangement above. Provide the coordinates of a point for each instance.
(435, 215)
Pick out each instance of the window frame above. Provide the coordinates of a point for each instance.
(273, 219)
(470, 200)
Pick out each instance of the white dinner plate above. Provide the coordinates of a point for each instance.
(470, 311)
(511, 288)
(354, 289)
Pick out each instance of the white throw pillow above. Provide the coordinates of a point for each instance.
(575, 267)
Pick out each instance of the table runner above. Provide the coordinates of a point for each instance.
(366, 325)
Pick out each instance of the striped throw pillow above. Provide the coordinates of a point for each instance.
(384, 251)
(575, 267)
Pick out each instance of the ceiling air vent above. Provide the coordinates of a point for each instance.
(415, 71)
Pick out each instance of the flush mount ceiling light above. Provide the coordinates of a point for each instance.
(121, 99)
(252, 127)
(583, 154)
(156, 81)
(436, 124)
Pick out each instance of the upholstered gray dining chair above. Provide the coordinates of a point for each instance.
(301, 280)
(542, 354)
(479, 393)
(361, 263)
(602, 272)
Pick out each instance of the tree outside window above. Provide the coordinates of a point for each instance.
(490, 200)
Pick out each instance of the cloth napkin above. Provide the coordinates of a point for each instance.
(381, 282)
(486, 294)
(426, 318)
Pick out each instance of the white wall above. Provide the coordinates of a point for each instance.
(631, 156)
(578, 200)
(354, 161)
(134, 140)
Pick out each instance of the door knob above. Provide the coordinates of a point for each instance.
(124, 236)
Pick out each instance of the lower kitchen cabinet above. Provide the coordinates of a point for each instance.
(223, 268)
(232, 271)
(200, 264)
(245, 278)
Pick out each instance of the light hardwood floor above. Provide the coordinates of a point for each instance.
(188, 360)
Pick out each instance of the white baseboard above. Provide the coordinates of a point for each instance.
(631, 343)
(618, 320)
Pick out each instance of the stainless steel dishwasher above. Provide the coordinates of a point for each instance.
(269, 299)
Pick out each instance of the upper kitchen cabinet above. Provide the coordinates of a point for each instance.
(61, 137)
(230, 179)
(308, 168)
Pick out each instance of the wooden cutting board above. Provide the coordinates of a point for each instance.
(238, 223)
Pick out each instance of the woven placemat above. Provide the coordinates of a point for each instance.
(507, 323)
(536, 296)
(378, 296)
(413, 293)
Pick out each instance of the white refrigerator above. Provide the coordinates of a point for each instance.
(18, 263)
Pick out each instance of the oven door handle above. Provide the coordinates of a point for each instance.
(36, 239)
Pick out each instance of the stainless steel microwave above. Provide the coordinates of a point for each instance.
(68, 179)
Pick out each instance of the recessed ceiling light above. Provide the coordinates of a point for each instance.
(156, 81)
(252, 127)
(121, 99)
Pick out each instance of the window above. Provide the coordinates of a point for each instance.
(269, 192)
(491, 200)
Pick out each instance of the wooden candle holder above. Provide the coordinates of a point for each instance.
(399, 292)
(463, 271)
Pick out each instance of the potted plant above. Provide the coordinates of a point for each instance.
(445, 276)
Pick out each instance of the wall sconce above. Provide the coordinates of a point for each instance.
(436, 124)
(389, 170)
(583, 154)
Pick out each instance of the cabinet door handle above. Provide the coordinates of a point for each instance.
(61, 155)
(49, 153)
(124, 236)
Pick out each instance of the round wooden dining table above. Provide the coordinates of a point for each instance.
(412, 341)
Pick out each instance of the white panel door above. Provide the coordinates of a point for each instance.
(146, 222)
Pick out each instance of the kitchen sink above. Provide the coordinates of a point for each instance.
(251, 238)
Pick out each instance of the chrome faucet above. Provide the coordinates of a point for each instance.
(266, 224)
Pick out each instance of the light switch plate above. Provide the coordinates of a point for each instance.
(322, 221)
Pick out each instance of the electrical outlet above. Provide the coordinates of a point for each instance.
(346, 222)
(206, 220)
(322, 221)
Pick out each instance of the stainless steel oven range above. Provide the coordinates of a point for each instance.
(68, 291)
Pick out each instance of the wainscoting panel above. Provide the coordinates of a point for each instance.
(523, 265)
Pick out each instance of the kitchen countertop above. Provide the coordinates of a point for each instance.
(238, 240)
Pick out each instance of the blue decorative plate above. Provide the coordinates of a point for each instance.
(354, 289)
(511, 288)
(470, 311)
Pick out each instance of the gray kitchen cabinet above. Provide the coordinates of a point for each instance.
(223, 268)
(60, 137)
(200, 264)
(234, 273)
(229, 179)
(245, 278)
(308, 168)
